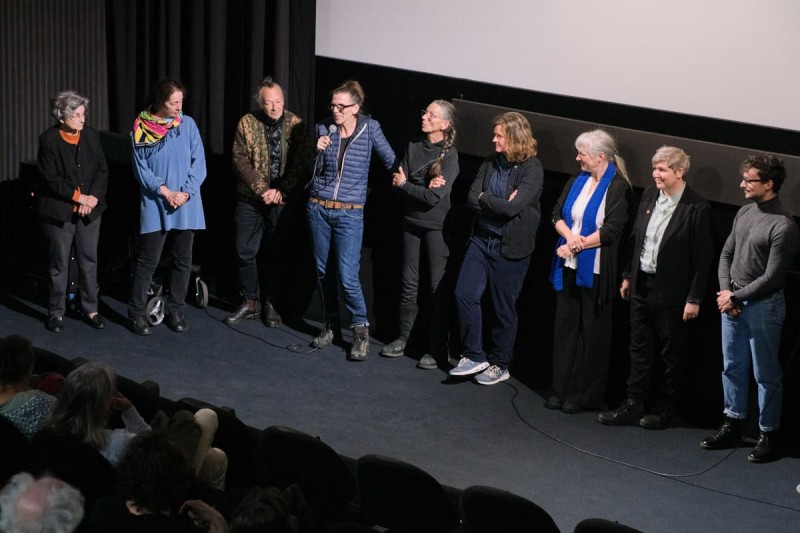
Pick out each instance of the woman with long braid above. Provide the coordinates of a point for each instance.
(426, 177)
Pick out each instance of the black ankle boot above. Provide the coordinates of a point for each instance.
(729, 435)
(764, 450)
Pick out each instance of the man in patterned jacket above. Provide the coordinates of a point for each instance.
(270, 156)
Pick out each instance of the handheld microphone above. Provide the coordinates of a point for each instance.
(331, 129)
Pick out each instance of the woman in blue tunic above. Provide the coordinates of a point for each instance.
(169, 162)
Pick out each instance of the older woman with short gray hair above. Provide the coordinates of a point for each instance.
(70, 204)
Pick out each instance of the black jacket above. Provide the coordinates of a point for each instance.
(65, 168)
(685, 254)
(521, 214)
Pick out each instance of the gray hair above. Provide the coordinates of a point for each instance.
(65, 103)
(84, 403)
(46, 505)
(600, 142)
(266, 83)
(674, 157)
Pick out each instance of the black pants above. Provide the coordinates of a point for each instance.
(656, 331)
(59, 240)
(254, 225)
(148, 254)
(581, 344)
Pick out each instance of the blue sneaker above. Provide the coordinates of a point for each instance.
(467, 367)
(493, 374)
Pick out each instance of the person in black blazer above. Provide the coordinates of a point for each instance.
(70, 203)
(665, 280)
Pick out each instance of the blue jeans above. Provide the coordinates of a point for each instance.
(754, 335)
(336, 236)
(483, 268)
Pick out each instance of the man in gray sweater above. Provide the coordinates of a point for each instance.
(752, 273)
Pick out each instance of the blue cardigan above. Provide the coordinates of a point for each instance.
(178, 161)
(351, 186)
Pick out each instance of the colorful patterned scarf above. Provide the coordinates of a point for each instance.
(149, 130)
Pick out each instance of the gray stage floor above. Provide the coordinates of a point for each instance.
(461, 433)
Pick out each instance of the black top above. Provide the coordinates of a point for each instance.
(427, 208)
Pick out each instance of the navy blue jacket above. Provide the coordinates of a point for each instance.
(351, 184)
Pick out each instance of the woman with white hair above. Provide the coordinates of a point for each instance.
(69, 204)
(589, 216)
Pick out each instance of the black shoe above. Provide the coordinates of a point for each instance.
(571, 408)
(360, 348)
(427, 362)
(627, 414)
(396, 348)
(729, 435)
(323, 339)
(54, 324)
(177, 322)
(96, 321)
(764, 450)
(245, 312)
(553, 402)
(661, 418)
(138, 325)
(271, 317)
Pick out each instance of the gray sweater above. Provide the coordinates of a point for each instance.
(759, 250)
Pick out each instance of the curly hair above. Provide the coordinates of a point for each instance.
(154, 474)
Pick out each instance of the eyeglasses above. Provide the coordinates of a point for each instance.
(431, 116)
(340, 107)
(749, 181)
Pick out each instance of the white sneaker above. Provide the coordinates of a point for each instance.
(467, 367)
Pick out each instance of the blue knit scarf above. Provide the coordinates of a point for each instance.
(585, 273)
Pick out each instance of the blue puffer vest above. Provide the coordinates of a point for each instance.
(351, 185)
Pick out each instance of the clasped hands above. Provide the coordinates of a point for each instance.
(175, 199)
(86, 202)
(574, 245)
(727, 305)
(272, 197)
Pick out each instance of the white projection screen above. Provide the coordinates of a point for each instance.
(734, 60)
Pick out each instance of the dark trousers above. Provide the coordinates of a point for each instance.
(256, 225)
(581, 344)
(436, 253)
(148, 253)
(656, 331)
(59, 240)
(483, 268)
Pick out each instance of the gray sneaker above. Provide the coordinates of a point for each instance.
(324, 339)
(493, 374)
(360, 348)
(467, 367)
(427, 362)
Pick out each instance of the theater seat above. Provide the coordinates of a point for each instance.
(490, 510)
(401, 497)
(601, 525)
(293, 457)
(16, 453)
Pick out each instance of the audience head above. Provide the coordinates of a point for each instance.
(66, 103)
(46, 505)
(16, 362)
(166, 100)
(513, 137)
(768, 168)
(270, 98)
(598, 143)
(263, 509)
(84, 403)
(153, 475)
(674, 157)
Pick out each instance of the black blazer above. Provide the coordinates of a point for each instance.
(65, 168)
(686, 251)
